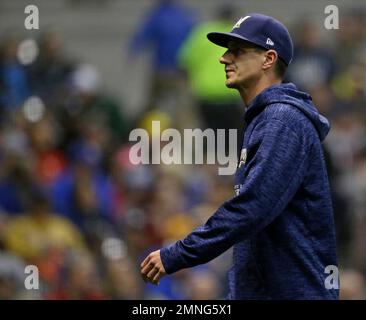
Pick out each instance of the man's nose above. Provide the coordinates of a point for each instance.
(225, 58)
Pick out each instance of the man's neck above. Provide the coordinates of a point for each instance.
(249, 93)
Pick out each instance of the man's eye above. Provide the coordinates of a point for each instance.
(235, 51)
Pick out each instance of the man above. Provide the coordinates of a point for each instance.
(280, 221)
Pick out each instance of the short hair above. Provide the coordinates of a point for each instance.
(280, 68)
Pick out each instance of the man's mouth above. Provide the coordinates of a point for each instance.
(228, 72)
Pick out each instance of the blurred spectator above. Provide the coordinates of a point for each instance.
(38, 232)
(313, 65)
(123, 280)
(14, 83)
(131, 184)
(12, 279)
(350, 37)
(80, 279)
(83, 191)
(164, 29)
(50, 72)
(349, 84)
(346, 140)
(89, 108)
(325, 100)
(15, 183)
(44, 139)
(218, 107)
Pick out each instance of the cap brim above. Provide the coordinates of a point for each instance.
(222, 38)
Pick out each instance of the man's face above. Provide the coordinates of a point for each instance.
(243, 63)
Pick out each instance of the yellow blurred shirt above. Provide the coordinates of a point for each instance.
(30, 237)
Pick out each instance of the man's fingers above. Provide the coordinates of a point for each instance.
(144, 277)
(146, 260)
(153, 272)
(145, 270)
(157, 277)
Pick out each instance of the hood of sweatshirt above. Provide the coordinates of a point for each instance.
(287, 93)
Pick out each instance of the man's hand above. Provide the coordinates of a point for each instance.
(152, 268)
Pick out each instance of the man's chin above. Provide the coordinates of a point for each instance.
(230, 84)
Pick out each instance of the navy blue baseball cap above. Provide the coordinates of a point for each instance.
(261, 30)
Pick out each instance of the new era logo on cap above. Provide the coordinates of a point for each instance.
(261, 30)
(270, 42)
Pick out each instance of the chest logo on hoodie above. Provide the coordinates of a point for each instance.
(243, 157)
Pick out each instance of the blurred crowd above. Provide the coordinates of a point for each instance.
(72, 203)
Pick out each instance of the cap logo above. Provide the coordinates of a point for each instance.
(243, 157)
(270, 42)
(240, 21)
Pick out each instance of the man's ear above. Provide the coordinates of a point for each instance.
(270, 59)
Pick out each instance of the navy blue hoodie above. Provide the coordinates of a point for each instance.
(280, 221)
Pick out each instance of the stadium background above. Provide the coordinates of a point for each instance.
(70, 201)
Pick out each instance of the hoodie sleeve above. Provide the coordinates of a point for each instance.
(271, 177)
